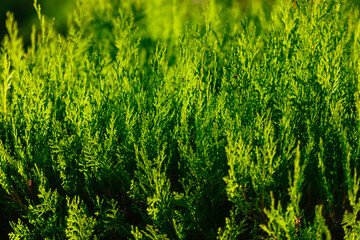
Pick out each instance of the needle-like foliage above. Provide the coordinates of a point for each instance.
(184, 119)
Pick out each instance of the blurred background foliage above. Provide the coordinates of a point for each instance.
(59, 10)
(25, 14)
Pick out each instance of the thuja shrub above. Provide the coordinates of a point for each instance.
(183, 120)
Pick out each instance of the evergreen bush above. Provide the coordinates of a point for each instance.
(183, 119)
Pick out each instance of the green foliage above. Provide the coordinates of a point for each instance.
(78, 224)
(183, 120)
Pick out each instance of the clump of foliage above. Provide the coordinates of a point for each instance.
(183, 120)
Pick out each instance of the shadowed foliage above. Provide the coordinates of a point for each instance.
(181, 119)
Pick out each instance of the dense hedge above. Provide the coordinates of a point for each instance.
(183, 119)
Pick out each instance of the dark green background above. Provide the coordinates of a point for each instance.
(25, 14)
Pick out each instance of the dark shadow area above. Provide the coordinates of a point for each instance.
(25, 15)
